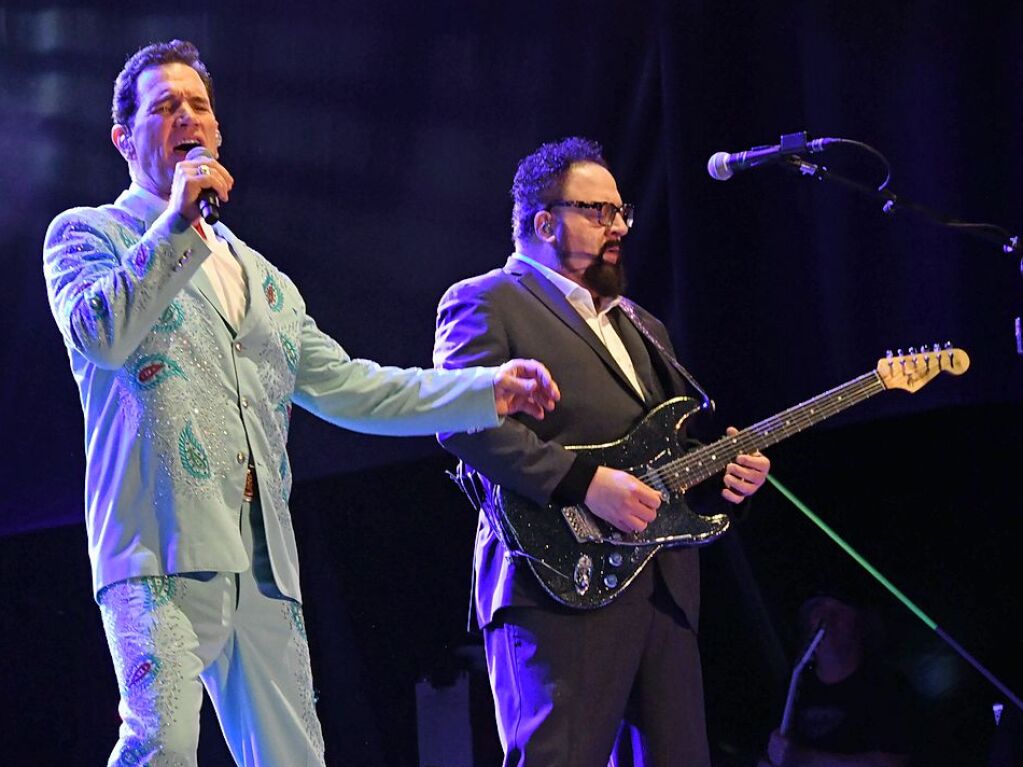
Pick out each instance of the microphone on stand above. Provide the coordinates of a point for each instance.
(209, 203)
(722, 166)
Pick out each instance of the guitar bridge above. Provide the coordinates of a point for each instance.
(582, 524)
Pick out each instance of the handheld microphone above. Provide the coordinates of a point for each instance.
(209, 203)
(722, 166)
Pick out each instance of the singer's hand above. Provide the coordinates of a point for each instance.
(190, 180)
(524, 386)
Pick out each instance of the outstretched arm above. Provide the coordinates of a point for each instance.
(524, 386)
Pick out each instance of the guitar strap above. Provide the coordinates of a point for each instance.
(629, 310)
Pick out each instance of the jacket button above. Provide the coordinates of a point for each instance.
(241, 457)
(245, 401)
(238, 346)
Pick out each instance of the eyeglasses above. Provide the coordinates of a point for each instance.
(606, 211)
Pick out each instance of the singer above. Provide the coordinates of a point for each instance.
(189, 349)
(565, 680)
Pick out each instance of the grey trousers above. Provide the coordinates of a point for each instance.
(232, 632)
(619, 686)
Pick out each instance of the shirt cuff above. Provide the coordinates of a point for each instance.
(571, 490)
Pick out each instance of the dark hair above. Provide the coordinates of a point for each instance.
(540, 176)
(126, 95)
(869, 622)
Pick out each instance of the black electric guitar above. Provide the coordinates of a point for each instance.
(584, 562)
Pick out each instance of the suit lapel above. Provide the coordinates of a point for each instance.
(556, 302)
(640, 354)
(148, 208)
(202, 284)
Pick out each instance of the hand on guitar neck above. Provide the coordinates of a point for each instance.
(745, 475)
(629, 504)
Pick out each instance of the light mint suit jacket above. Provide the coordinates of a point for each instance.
(177, 402)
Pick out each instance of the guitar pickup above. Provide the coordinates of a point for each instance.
(582, 524)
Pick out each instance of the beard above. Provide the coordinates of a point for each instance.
(605, 279)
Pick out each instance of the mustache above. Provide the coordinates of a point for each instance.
(607, 246)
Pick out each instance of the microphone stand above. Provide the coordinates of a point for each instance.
(891, 203)
(906, 602)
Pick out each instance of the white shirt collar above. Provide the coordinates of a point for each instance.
(135, 190)
(576, 294)
(155, 202)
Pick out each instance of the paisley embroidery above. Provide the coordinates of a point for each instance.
(159, 590)
(142, 260)
(97, 302)
(193, 455)
(153, 369)
(283, 471)
(284, 408)
(171, 319)
(134, 752)
(144, 673)
(74, 227)
(297, 619)
(273, 293)
(290, 353)
(126, 237)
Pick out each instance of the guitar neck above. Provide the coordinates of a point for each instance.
(706, 461)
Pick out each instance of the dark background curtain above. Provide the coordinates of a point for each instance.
(373, 146)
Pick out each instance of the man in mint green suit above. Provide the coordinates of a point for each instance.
(189, 349)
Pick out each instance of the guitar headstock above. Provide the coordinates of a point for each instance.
(911, 371)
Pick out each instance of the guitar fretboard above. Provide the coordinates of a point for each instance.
(697, 465)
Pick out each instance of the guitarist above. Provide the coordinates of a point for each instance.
(565, 680)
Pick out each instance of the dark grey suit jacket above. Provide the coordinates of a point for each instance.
(517, 312)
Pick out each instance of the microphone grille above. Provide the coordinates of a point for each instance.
(717, 167)
(199, 152)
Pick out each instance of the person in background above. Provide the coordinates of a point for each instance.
(851, 709)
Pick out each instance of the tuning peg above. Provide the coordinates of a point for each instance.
(951, 353)
(888, 356)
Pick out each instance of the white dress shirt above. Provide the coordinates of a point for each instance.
(222, 268)
(597, 319)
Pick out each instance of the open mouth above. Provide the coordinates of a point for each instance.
(186, 146)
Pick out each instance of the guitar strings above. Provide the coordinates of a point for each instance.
(763, 434)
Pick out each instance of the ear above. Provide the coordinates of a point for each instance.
(121, 139)
(543, 226)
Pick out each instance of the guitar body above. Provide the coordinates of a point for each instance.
(581, 560)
